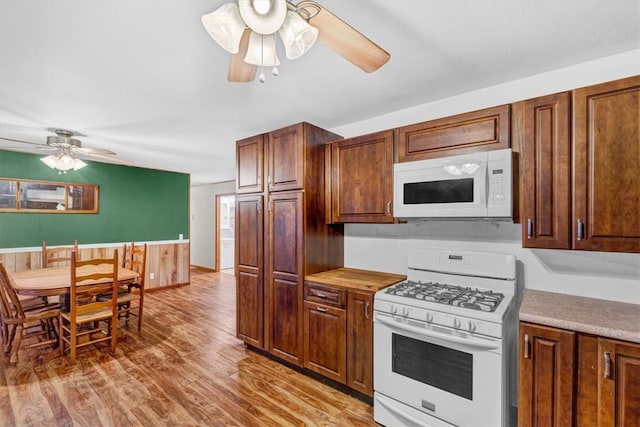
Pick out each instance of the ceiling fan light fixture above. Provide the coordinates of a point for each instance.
(263, 16)
(63, 162)
(225, 26)
(297, 35)
(262, 50)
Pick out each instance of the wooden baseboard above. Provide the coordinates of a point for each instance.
(162, 288)
(199, 267)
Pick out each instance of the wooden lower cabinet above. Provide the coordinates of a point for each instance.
(360, 341)
(570, 378)
(325, 330)
(338, 335)
(546, 376)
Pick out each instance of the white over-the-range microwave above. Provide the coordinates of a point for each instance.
(477, 185)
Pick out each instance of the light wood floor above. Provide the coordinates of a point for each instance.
(186, 368)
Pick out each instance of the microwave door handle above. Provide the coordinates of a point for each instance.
(469, 342)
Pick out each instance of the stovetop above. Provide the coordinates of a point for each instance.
(453, 295)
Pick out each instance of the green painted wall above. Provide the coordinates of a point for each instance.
(136, 204)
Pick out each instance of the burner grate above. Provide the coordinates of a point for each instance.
(441, 293)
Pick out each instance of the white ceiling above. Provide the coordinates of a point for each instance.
(144, 79)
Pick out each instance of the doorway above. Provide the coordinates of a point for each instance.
(225, 238)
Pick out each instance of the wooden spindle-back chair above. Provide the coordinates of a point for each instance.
(89, 319)
(19, 326)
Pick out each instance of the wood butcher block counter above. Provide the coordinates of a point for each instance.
(352, 278)
(594, 316)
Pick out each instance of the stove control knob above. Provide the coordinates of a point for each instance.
(405, 311)
(394, 309)
(456, 323)
(472, 326)
(429, 317)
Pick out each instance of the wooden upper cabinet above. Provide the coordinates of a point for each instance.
(546, 376)
(606, 161)
(618, 383)
(362, 179)
(285, 158)
(480, 130)
(250, 165)
(546, 171)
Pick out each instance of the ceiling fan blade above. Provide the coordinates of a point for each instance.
(108, 159)
(344, 39)
(93, 151)
(240, 71)
(19, 141)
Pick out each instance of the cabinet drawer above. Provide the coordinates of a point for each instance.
(324, 294)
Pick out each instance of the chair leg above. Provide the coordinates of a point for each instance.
(73, 343)
(16, 347)
(140, 306)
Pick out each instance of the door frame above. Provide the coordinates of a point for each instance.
(218, 198)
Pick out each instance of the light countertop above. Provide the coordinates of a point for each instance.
(609, 319)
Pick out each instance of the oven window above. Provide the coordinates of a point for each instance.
(446, 191)
(441, 367)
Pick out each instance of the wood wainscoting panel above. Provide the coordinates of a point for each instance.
(169, 262)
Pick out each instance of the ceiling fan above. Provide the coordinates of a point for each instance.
(247, 30)
(67, 150)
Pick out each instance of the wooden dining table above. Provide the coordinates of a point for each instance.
(52, 281)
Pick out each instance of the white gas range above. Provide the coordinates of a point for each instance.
(444, 341)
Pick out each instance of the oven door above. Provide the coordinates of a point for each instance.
(454, 378)
(446, 187)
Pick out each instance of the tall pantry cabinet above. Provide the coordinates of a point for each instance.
(281, 234)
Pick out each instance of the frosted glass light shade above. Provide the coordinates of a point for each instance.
(263, 17)
(225, 26)
(262, 50)
(297, 35)
(63, 162)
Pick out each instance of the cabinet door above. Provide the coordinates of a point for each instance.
(546, 185)
(606, 160)
(325, 340)
(481, 130)
(285, 274)
(250, 165)
(360, 341)
(546, 376)
(618, 383)
(286, 158)
(362, 181)
(249, 270)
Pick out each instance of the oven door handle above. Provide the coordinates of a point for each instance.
(469, 342)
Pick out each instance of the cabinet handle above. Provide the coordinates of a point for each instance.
(366, 310)
(389, 208)
(529, 228)
(580, 229)
(607, 364)
(321, 295)
(321, 310)
(526, 346)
